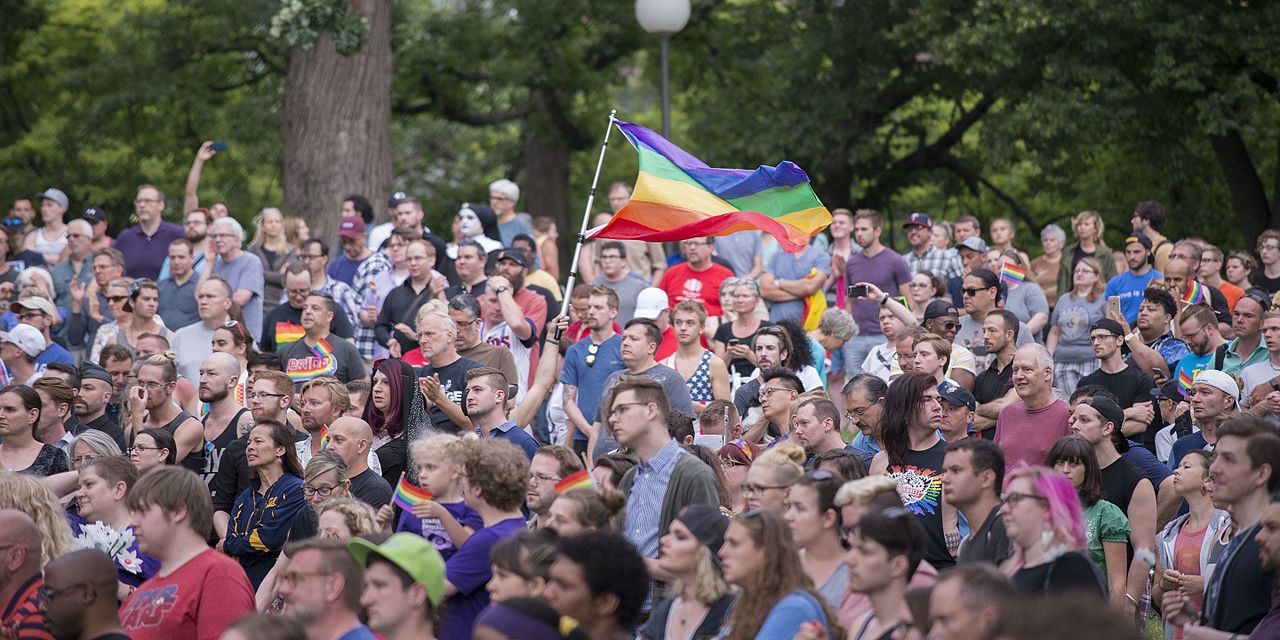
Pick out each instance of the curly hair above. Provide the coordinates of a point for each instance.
(28, 495)
(500, 470)
(359, 517)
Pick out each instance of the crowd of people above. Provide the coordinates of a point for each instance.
(393, 435)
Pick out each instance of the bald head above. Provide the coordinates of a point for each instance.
(354, 427)
(89, 566)
(17, 529)
(351, 438)
(224, 362)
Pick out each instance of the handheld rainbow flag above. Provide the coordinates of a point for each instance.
(322, 363)
(1011, 273)
(1195, 293)
(324, 437)
(816, 304)
(579, 480)
(1184, 383)
(287, 332)
(407, 495)
(678, 196)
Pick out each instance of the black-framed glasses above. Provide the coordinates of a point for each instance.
(324, 491)
(973, 291)
(620, 407)
(1012, 499)
(591, 354)
(541, 478)
(137, 448)
(264, 394)
(749, 489)
(117, 298)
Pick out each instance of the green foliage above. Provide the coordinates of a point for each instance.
(299, 23)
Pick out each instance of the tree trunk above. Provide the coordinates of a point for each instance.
(545, 179)
(1248, 195)
(337, 124)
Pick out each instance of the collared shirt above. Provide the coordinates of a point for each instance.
(64, 443)
(510, 432)
(144, 254)
(1233, 362)
(944, 263)
(644, 504)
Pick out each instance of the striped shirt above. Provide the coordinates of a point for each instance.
(944, 263)
(371, 286)
(648, 491)
(501, 336)
(21, 618)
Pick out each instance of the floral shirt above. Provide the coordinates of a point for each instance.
(134, 567)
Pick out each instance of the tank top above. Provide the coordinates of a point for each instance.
(919, 481)
(194, 460)
(214, 449)
(49, 247)
(699, 382)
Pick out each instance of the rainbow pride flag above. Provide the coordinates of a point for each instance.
(1184, 383)
(287, 332)
(816, 304)
(321, 363)
(324, 437)
(579, 480)
(407, 495)
(678, 196)
(1195, 294)
(1011, 273)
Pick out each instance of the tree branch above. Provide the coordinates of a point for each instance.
(974, 178)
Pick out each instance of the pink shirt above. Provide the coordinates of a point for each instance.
(1026, 436)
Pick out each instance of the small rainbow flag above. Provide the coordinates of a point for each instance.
(579, 480)
(1184, 383)
(322, 363)
(816, 304)
(287, 332)
(407, 495)
(1195, 294)
(324, 437)
(1011, 273)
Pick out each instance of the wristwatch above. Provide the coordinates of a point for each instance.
(501, 289)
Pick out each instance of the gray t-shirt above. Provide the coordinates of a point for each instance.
(303, 362)
(512, 228)
(193, 343)
(628, 290)
(1073, 316)
(787, 266)
(739, 250)
(245, 272)
(1026, 300)
(673, 385)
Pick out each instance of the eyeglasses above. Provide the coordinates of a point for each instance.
(150, 385)
(765, 392)
(48, 594)
(749, 489)
(591, 354)
(854, 414)
(950, 325)
(137, 448)
(973, 291)
(291, 578)
(323, 491)
(919, 285)
(543, 477)
(311, 256)
(730, 462)
(81, 460)
(264, 394)
(621, 407)
(117, 298)
(1012, 499)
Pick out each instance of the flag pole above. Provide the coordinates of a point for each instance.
(586, 215)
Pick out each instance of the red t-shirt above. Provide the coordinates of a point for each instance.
(1027, 436)
(682, 283)
(198, 601)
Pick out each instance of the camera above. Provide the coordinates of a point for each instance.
(856, 291)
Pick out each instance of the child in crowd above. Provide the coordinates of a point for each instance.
(445, 520)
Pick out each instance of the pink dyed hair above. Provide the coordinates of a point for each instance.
(1062, 502)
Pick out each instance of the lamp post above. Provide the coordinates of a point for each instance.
(663, 18)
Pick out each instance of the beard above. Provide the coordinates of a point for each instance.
(517, 281)
(213, 395)
(195, 237)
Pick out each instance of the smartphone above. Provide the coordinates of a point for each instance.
(735, 341)
(218, 146)
(856, 291)
(1113, 305)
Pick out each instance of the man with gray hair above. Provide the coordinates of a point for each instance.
(444, 378)
(242, 271)
(1027, 428)
(503, 196)
(464, 310)
(144, 244)
(76, 266)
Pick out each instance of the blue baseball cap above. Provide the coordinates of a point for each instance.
(957, 395)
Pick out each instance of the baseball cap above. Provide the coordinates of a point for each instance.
(973, 243)
(413, 554)
(1110, 412)
(39, 304)
(515, 255)
(1140, 239)
(351, 227)
(940, 309)
(396, 198)
(94, 214)
(55, 195)
(25, 337)
(1108, 325)
(1168, 391)
(1259, 296)
(918, 220)
(957, 395)
(1220, 381)
(651, 302)
(90, 371)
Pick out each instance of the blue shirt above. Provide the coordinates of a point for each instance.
(644, 504)
(53, 353)
(1147, 462)
(1192, 364)
(1186, 444)
(590, 379)
(143, 254)
(786, 266)
(1130, 287)
(359, 632)
(469, 571)
(865, 446)
(510, 432)
(343, 269)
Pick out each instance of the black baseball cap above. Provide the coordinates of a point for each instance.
(1108, 325)
(940, 309)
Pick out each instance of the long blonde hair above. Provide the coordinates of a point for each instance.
(710, 585)
(30, 496)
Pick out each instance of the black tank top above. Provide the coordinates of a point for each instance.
(216, 447)
(194, 460)
(920, 485)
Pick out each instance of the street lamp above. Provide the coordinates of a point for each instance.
(663, 18)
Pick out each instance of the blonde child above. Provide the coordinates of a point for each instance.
(445, 520)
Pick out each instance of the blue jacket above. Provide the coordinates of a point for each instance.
(260, 524)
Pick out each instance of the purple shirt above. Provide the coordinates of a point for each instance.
(469, 571)
(1026, 436)
(433, 530)
(887, 270)
(144, 254)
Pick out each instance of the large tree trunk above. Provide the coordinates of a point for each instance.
(545, 182)
(1248, 195)
(337, 124)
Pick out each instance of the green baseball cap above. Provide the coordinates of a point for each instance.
(413, 554)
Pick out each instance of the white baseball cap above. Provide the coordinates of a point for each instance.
(25, 337)
(1220, 381)
(651, 303)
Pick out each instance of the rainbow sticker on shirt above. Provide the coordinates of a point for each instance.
(921, 489)
(321, 363)
(287, 332)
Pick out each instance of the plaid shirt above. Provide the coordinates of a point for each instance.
(939, 262)
(366, 343)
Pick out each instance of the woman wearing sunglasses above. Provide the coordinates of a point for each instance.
(1042, 517)
(1076, 311)
(775, 598)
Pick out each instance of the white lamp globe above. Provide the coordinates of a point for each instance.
(662, 17)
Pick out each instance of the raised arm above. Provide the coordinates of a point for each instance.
(190, 197)
(544, 377)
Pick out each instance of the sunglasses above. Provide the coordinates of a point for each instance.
(591, 354)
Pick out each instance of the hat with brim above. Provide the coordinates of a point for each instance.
(412, 554)
(37, 304)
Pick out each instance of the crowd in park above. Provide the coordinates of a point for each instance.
(209, 431)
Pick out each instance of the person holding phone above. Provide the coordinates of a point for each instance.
(878, 265)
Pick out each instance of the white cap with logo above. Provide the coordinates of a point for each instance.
(651, 303)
